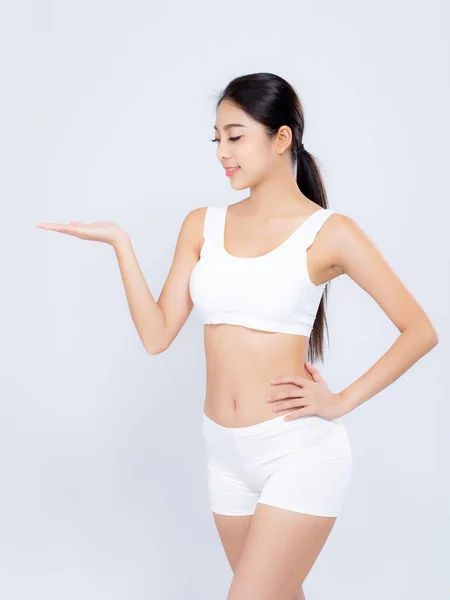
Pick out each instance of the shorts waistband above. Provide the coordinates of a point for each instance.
(264, 426)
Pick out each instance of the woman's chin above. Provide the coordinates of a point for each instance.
(238, 185)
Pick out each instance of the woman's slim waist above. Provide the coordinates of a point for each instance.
(240, 380)
(237, 404)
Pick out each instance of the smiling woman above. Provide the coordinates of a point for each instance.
(279, 463)
(260, 285)
(230, 171)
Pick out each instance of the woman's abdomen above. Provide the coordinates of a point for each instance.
(240, 363)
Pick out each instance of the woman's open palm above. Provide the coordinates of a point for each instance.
(100, 231)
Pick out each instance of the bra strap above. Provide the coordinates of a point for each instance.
(314, 225)
(212, 228)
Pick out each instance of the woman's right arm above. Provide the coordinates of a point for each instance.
(158, 322)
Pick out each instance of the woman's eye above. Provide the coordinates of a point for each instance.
(231, 139)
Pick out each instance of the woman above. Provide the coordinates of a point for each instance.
(279, 459)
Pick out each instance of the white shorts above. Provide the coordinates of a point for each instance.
(302, 465)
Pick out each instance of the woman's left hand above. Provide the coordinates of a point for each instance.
(313, 397)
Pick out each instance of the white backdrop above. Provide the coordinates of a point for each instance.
(106, 111)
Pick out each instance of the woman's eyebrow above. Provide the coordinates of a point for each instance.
(229, 125)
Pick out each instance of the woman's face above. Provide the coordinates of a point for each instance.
(245, 145)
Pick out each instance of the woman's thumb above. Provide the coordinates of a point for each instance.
(314, 372)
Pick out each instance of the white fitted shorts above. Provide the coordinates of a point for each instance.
(303, 465)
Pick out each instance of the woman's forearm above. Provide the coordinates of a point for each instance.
(147, 315)
(408, 348)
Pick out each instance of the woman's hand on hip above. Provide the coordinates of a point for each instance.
(312, 397)
(100, 231)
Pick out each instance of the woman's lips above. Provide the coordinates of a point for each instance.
(231, 172)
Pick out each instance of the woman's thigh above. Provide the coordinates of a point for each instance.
(280, 548)
(233, 532)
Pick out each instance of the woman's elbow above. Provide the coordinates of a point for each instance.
(156, 349)
(428, 336)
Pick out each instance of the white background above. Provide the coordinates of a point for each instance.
(106, 112)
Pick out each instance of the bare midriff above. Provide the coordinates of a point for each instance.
(240, 362)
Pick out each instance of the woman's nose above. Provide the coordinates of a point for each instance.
(223, 154)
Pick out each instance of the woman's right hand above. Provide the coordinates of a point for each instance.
(100, 231)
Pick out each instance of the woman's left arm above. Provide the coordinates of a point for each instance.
(358, 257)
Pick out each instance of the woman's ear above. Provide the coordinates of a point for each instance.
(284, 139)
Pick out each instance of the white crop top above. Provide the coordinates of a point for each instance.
(271, 292)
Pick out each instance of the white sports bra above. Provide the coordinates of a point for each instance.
(271, 292)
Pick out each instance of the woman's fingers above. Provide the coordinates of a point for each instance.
(296, 403)
(45, 225)
(61, 228)
(284, 395)
(100, 231)
(54, 226)
(295, 379)
(297, 414)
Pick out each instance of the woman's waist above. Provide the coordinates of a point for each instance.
(240, 364)
(242, 401)
(235, 366)
(240, 374)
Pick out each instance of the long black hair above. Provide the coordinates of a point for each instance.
(273, 102)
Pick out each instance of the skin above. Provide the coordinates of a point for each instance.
(237, 387)
(252, 375)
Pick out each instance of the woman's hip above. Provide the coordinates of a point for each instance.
(256, 451)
